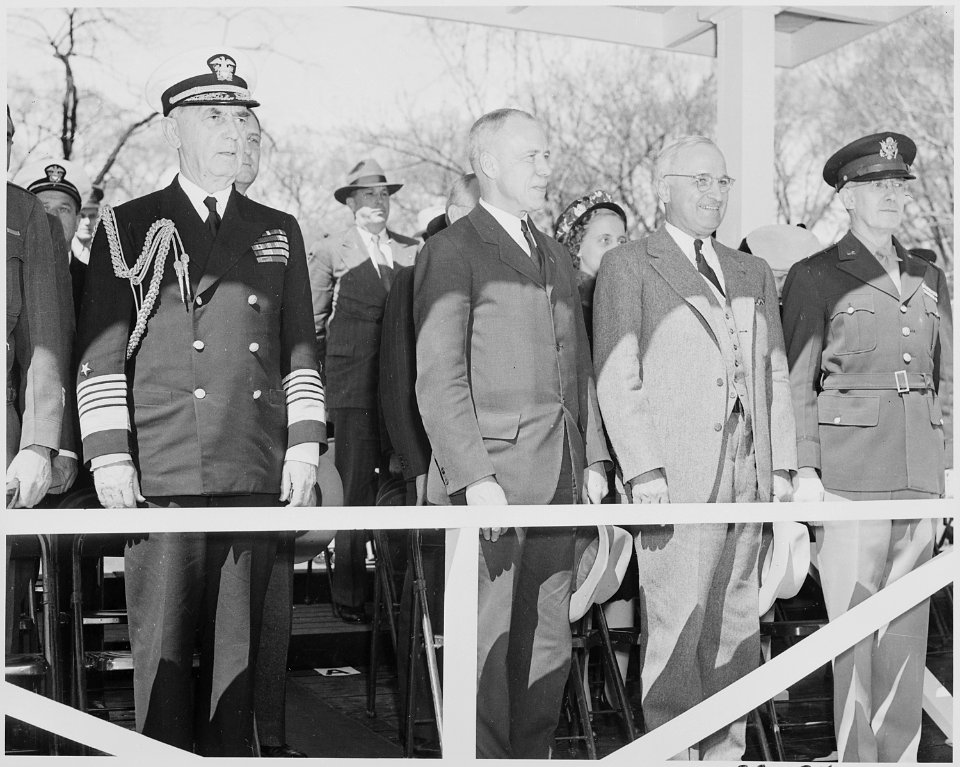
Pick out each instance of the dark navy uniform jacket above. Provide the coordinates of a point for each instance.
(870, 369)
(218, 389)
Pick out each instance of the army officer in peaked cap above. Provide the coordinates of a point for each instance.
(198, 387)
(868, 329)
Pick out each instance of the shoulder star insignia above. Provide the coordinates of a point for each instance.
(85, 369)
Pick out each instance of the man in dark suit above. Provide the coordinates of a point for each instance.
(209, 351)
(505, 387)
(38, 350)
(59, 185)
(869, 333)
(692, 380)
(350, 276)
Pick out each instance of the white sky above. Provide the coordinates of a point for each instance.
(327, 66)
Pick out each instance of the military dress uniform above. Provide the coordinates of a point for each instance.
(208, 398)
(871, 379)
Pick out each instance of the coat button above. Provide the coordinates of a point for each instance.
(198, 345)
(257, 393)
(836, 420)
(254, 347)
(252, 300)
(717, 426)
(719, 382)
(199, 393)
(903, 308)
(905, 331)
(736, 363)
(733, 394)
(849, 310)
(907, 357)
(199, 301)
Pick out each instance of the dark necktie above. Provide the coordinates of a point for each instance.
(213, 220)
(535, 254)
(704, 268)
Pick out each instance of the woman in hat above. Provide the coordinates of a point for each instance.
(589, 227)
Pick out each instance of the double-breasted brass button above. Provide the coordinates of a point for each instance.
(198, 345)
(254, 347)
(199, 393)
(252, 300)
(903, 308)
(907, 357)
(905, 331)
(199, 301)
(257, 393)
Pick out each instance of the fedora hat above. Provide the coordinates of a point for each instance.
(309, 543)
(784, 563)
(364, 175)
(782, 245)
(601, 556)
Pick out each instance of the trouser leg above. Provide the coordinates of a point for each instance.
(357, 457)
(730, 644)
(163, 577)
(270, 682)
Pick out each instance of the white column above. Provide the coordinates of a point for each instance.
(745, 115)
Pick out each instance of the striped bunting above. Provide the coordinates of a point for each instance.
(102, 404)
(272, 247)
(304, 395)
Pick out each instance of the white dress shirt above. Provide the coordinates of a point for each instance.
(383, 246)
(685, 243)
(196, 195)
(511, 223)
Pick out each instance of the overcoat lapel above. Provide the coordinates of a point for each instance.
(856, 260)
(508, 251)
(668, 260)
(239, 229)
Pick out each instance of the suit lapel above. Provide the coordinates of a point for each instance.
(668, 260)
(856, 260)
(742, 293)
(239, 229)
(364, 271)
(510, 253)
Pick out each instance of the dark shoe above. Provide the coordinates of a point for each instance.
(349, 614)
(273, 752)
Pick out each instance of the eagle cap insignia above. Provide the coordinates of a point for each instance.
(888, 148)
(223, 66)
(55, 173)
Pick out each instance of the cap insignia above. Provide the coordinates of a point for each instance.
(55, 173)
(888, 148)
(223, 66)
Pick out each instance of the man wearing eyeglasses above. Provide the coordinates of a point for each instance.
(868, 327)
(693, 387)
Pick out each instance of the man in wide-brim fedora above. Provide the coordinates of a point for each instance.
(350, 276)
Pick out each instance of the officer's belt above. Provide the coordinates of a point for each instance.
(900, 381)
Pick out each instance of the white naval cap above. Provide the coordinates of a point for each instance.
(214, 74)
(53, 174)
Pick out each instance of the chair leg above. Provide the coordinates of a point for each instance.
(429, 640)
(775, 727)
(374, 649)
(583, 712)
(613, 673)
(411, 703)
(755, 718)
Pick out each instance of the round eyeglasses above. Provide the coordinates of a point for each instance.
(705, 181)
